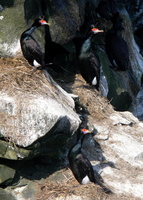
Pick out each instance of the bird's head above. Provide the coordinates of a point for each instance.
(85, 131)
(96, 30)
(40, 22)
(43, 22)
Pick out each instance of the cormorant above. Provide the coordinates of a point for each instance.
(30, 48)
(117, 22)
(106, 8)
(52, 49)
(88, 63)
(117, 48)
(79, 163)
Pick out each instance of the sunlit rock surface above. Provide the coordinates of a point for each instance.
(30, 106)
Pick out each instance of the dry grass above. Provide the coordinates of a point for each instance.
(97, 106)
(15, 74)
(68, 188)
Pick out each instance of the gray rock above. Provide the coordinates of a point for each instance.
(62, 31)
(32, 108)
(4, 195)
(6, 175)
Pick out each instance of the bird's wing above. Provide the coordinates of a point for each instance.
(85, 166)
(33, 50)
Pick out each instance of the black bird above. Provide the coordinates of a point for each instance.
(117, 22)
(30, 48)
(88, 63)
(52, 49)
(117, 49)
(106, 8)
(79, 163)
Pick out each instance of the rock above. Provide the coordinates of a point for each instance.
(6, 175)
(119, 89)
(26, 191)
(62, 31)
(120, 153)
(30, 109)
(137, 109)
(9, 40)
(65, 20)
(114, 86)
(6, 195)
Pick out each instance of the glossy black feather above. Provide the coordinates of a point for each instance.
(32, 51)
(52, 49)
(89, 68)
(88, 64)
(30, 47)
(107, 8)
(117, 50)
(80, 165)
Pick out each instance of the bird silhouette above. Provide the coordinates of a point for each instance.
(79, 163)
(88, 63)
(30, 47)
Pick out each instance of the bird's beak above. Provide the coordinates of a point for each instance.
(47, 23)
(96, 30)
(100, 31)
(43, 22)
(85, 131)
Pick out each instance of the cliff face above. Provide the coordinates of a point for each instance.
(38, 117)
(115, 149)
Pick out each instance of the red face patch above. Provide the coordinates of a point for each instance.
(85, 131)
(43, 22)
(95, 29)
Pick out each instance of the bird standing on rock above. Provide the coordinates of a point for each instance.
(106, 8)
(88, 63)
(30, 47)
(117, 48)
(79, 163)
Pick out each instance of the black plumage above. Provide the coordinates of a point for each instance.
(106, 8)
(79, 163)
(117, 50)
(52, 49)
(88, 63)
(117, 22)
(30, 47)
(116, 47)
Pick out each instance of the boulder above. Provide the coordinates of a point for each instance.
(12, 26)
(119, 88)
(6, 195)
(6, 175)
(30, 108)
(116, 153)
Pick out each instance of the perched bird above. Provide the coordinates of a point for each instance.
(79, 163)
(30, 47)
(88, 63)
(106, 8)
(52, 49)
(117, 22)
(117, 48)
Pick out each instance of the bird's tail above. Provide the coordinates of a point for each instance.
(105, 189)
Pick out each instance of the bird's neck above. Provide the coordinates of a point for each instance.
(77, 147)
(48, 35)
(86, 46)
(29, 31)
